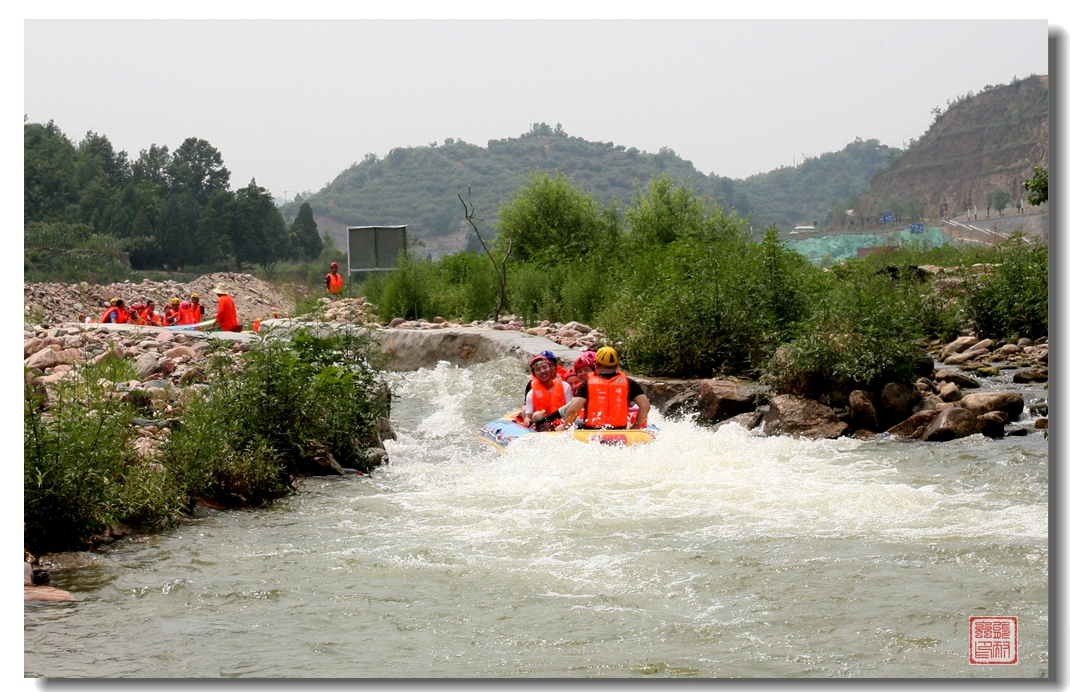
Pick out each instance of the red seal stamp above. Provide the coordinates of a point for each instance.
(993, 640)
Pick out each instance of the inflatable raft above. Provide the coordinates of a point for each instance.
(504, 431)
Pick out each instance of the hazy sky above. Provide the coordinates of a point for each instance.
(294, 102)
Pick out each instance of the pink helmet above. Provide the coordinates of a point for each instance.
(584, 360)
(535, 359)
(185, 305)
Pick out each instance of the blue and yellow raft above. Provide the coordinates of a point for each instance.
(504, 431)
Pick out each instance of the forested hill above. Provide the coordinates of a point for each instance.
(418, 186)
(982, 146)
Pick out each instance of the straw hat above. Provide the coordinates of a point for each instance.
(220, 289)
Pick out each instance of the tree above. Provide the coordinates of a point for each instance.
(49, 183)
(198, 167)
(999, 198)
(258, 234)
(304, 235)
(152, 165)
(499, 268)
(1037, 186)
(554, 221)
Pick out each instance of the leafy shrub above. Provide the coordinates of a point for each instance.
(863, 332)
(264, 418)
(80, 470)
(1012, 299)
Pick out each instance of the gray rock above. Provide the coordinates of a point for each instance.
(958, 346)
(992, 423)
(979, 403)
(949, 391)
(792, 415)
(748, 421)
(145, 365)
(914, 425)
(1031, 375)
(951, 424)
(897, 402)
(963, 381)
(863, 408)
(721, 399)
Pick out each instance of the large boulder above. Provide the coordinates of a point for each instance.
(863, 408)
(967, 355)
(962, 380)
(721, 399)
(949, 391)
(793, 415)
(43, 358)
(958, 346)
(915, 425)
(979, 403)
(992, 423)
(951, 424)
(897, 402)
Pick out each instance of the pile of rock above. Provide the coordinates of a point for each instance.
(989, 357)
(346, 311)
(57, 303)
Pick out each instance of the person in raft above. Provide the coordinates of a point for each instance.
(606, 395)
(547, 395)
(116, 313)
(226, 315)
(197, 308)
(170, 313)
(332, 282)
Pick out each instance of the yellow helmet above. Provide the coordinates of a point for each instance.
(196, 295)
(607, 356)
(175, 301)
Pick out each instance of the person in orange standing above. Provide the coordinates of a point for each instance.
(332, 282)
(226, 315)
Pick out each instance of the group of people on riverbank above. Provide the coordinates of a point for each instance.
(593, 393)
(177, 313)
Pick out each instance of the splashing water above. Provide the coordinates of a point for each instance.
(703, 553)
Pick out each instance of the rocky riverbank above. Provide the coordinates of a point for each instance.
(58, 303)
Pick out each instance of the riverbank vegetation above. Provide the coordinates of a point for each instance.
(683, 292)
(238, 438)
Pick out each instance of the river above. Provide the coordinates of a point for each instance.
(701, 554)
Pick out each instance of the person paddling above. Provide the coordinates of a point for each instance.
(606, 395)
(547, 397)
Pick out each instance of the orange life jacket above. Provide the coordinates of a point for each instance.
(607, 401)
(547, 399)
(120, 318)
(334, 283)
(186, 316)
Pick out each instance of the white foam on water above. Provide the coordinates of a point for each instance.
(728, 484)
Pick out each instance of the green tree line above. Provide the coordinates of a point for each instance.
(171, 210)
(682, 291)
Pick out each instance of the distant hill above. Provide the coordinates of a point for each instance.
(418, 186)
(981, 142)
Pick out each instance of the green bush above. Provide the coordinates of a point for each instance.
(1012, 299)
(80, 470)
(266, 417)
(863, 332)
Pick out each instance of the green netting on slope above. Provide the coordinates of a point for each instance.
(840, 247)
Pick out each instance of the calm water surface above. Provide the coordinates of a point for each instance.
(702, 554)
